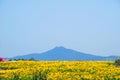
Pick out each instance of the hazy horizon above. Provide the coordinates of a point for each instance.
(35, 26)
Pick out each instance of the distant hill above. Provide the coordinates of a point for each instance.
(61, 53)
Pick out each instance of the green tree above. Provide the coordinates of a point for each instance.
(117, 62)
(31, 59)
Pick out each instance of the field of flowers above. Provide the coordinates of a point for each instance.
(59, 70)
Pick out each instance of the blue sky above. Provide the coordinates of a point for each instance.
(34, 26)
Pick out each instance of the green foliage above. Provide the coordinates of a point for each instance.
(20, 59)
(2, 78)
(39, 75)
(117, 62)
(32, 59)
(10, 60)
(16, 77)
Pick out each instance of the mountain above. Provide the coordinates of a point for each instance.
(61, 53)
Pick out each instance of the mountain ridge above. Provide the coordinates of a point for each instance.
(62, 53)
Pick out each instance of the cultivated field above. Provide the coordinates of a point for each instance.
(59, 70)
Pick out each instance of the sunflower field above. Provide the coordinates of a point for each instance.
(59, 70)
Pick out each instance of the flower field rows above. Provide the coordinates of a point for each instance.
(59, 70)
